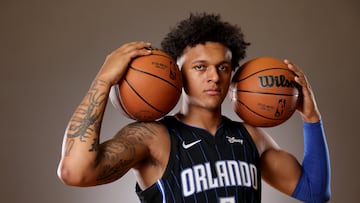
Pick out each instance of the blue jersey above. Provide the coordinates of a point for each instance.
(224, 168)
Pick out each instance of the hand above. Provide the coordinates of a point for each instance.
(307, 106)
(117, 62)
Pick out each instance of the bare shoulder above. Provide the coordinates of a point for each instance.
(261, 138)
(150, 135)
(134, 145)
(142, 131)
(153, 139)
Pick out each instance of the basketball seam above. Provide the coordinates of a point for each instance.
(267, 93)
(121, 102)
(135, 69)
(262, 71)
(162, 55)
(142, 98)
(278, 119)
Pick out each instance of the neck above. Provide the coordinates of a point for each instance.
(208, 119)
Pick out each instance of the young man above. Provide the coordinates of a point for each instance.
(198, 155)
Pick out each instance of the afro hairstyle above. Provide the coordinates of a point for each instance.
(201, 28)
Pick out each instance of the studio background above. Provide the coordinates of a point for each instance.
(50, 51)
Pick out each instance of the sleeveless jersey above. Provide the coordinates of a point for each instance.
(224, 168)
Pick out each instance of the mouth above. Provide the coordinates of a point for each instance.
(213, 91)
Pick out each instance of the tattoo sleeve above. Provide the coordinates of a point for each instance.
(123, 151)
(86, 121)
(113, 158)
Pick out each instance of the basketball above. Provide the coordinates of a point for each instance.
(263, 92)
(150, 88)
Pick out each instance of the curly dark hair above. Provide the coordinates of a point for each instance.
(201, 28)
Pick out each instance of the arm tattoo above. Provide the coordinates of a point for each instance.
(119, 154)
(139, 132)
(88, 116)
(94, 145)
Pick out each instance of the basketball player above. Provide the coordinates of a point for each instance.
(197, 155)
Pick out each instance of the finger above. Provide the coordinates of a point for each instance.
(292, 66)
(138, 45)
(299, 74)
(141, 51)
(133, 49)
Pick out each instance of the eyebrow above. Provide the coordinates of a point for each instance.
(205, 61)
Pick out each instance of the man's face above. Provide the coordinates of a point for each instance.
(207, 71)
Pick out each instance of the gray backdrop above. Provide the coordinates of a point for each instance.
(51, 50)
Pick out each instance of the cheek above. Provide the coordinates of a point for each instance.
(227, 78)
(186, 86)
(185, 82)
(191, 83)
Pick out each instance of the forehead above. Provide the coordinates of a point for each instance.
(211, 52)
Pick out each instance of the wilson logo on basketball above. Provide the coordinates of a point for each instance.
(278, 81)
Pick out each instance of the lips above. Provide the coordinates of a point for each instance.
(213, 91)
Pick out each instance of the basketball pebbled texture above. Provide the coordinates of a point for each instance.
(263, 92)
(150, 88)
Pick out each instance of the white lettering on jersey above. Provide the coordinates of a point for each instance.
(254, 178)
(234, 174)
(228, 173)
(222, 174)
(187, 182)
(200, 177)
(244, 170)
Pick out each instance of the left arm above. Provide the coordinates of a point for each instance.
(314, 182)
(309, 181)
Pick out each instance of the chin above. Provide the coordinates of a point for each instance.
(213, 106)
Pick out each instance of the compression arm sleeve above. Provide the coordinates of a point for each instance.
(314, 182)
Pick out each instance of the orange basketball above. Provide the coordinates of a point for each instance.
(264, 92)
(150, 88)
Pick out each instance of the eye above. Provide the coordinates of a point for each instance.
(199, 67)
(223, 67)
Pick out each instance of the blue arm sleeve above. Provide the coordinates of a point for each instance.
(314, 182)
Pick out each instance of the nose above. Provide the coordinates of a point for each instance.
(212, 74)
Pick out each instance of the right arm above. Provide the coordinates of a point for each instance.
(82, 161)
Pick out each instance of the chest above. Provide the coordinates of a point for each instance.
(196, 146)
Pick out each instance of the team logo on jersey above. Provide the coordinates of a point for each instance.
(233, 140)
(200, 177)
